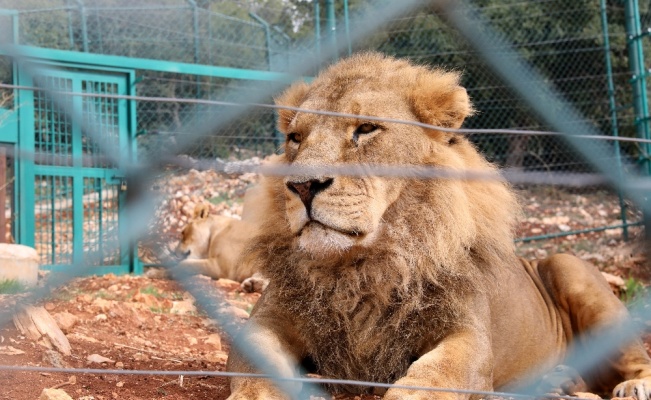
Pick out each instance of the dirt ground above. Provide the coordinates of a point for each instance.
(147, 323)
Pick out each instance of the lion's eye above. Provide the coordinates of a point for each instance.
(363, 129)
(294, 137)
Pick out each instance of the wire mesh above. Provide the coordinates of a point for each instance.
(563, 41)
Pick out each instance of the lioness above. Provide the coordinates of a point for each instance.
(404, 280)
(212, 245)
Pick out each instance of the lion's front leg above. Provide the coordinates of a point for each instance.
(463, 360)
(208, 266)
(271, 351)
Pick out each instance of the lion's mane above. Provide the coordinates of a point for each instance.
(440, 240)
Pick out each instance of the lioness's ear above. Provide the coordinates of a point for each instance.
(292, 97)
(438, 99)
(201, 211)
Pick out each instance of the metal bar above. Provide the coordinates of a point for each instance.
(613, 111)
(267, 35)
(84, 24)
(109, 61)
(347, 27)
(317, 29)
(638, 71)
(71, 36)
(195, 34)
(3, 194)
(331, 24)
(16, 29)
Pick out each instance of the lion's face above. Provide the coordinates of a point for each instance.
(331, 215)
(195, 237)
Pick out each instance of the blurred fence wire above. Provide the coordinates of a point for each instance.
(552, 108)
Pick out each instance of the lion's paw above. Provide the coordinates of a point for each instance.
(562, 380)
(638, 388)
(256, 283)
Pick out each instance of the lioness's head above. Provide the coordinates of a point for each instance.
(195, 236)
(332, 215)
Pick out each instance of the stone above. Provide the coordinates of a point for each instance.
(183, 307)
(96, 358)
(54, 394)
(215, 341)
(19, 263)
(65, 320)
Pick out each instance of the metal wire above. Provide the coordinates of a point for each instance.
(526, 132)
(205, 298)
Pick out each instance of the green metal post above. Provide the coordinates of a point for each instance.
(638, 80)
(195, 31)
(267, 35)
(84, 24)
(331, 24)
(71, 36)
(347, 27)
(317, 29)
(613, 111)
(16, 30)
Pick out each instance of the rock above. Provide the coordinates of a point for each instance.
(215, 341)
(54, 394)
(53, 358)
(183, 307)
(227, 284)
(100, 317)
(218, 357)
(65, 320)
(147, 299)
(103, 304)
(19, 262)
(10, 351)
(140, 357)
(119, 365)
(82, 337)
(96, 358)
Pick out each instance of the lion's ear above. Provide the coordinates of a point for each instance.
(201, 211)
(292, 97)
(438, 99)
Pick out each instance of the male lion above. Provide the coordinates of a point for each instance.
(405, 280)
(212, 245)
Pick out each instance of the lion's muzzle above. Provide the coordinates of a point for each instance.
(307, 190)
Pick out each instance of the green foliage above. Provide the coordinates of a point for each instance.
(634, 292)
(153, 291)
(11, 286)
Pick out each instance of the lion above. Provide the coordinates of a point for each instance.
(212, 245)
(403, 280)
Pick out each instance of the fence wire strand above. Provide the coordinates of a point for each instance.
(498, 55)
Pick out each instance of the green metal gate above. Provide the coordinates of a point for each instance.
(71, 194)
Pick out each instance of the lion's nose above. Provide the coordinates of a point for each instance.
(308, 189)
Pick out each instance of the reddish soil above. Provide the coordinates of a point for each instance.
(139, 323)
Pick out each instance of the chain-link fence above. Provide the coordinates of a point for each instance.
(564, 41)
